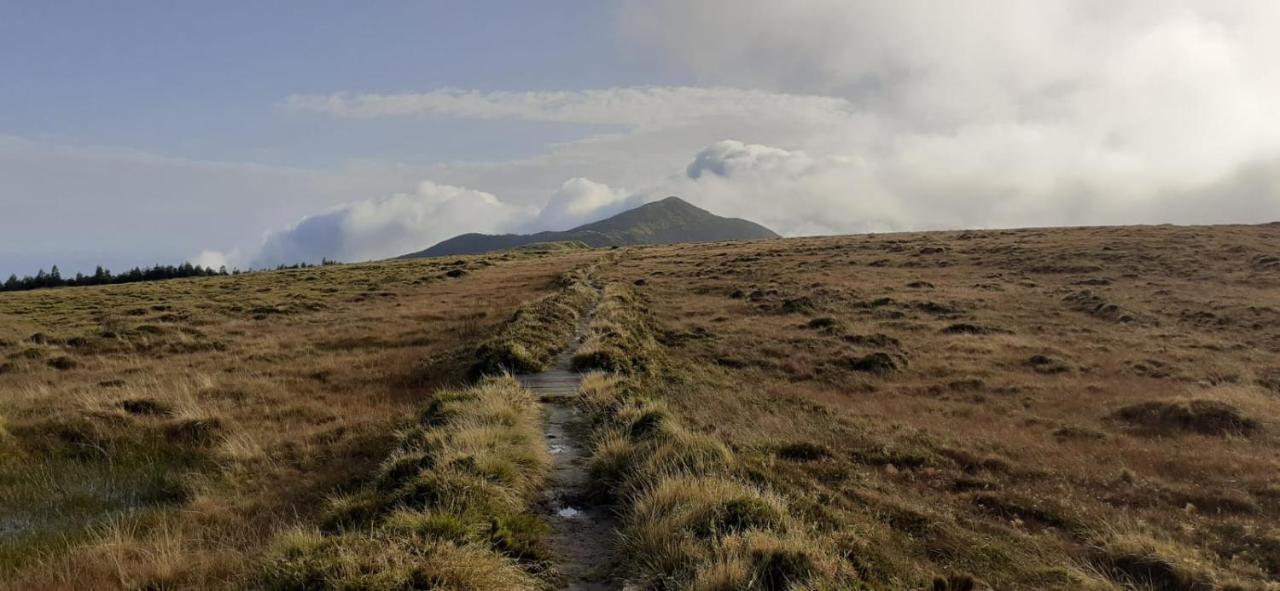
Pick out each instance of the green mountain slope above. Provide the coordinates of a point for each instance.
(661, 222)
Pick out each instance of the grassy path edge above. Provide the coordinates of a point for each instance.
(689, 519)
(453, 505)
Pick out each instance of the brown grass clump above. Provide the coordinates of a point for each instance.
(379, 562)
(689, 521)
(1137, 560)
(9, 450)
(687, 517)
(874, 363)
(767, 561)
(681, 522)
(145, 406)
(645, 446)
(1207, 417)
(600, 394)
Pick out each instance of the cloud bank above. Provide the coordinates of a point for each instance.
(1054, 112)
(837, 116)
(579, 201)
(387, 226)
(393, 225)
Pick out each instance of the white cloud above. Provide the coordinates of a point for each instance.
(731, 158)
(1002, 112)
(641, 107)
(213, 259)
(388, 226)
(576, 202)
(789, 191)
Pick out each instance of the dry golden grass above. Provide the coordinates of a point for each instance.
(953, 404)
(1085, 408)
(689, 518)
(162, 434)
(376, 562)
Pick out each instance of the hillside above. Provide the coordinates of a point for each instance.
(669, 221)
(1061, 409)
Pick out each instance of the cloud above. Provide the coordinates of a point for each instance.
(992, 113)
(388, 226)
(798, 194)
(213, 259)
(642, 107)
(915, 141)
(397, 224)
(579, 201)
(788, 190)
(731, 158)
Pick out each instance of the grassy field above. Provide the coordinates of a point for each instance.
(1070, 408)
(163, 435)
(1092, 408)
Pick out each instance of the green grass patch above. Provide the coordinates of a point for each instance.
(62, 476)
(449, 508)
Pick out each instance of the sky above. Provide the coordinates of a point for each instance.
(252, 134)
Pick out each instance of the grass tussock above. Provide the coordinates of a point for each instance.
(447, 509)
(538, 330)
(1136, 559)
(619, 338)
(643, 445)
(689, 519)
(1206, 417)
(768, 561)
(386, 562)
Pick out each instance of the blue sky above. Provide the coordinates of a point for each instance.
(201, 80)
(253, 134)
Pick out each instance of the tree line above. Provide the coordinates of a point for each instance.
(102, 276)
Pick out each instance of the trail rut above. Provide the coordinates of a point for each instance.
(582, 532)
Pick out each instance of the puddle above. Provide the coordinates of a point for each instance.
(569, 513)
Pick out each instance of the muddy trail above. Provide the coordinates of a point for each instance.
(582, 531)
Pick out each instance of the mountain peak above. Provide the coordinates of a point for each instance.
(664, 221)
(673, 203)
(673, 200)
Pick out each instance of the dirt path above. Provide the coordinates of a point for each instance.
(582, 533)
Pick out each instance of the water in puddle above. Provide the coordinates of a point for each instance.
(569, 513)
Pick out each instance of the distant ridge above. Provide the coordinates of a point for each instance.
(661, 222)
